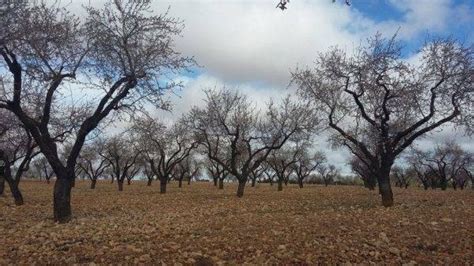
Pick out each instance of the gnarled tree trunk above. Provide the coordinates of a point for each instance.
(62, 199)
(254, 181)
(149, 182)
(180, 183)
(221, 183)
(93, 183)
(120, 185)
(215, 181)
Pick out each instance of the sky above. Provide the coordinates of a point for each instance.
(251, 46)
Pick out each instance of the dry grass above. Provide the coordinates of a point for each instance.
(199, 224)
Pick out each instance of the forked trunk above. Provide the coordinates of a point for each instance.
(241, 188)
(221, 183)
(93, 183)
(149, 182)
(300, 182)
(120, 185)
(280, 185)
(62, 199)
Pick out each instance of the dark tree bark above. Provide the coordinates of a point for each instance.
(300, 183)
(254, 181)
(215, 179)
(62, 199)
(93, 183)
(241, 188)
(385, 188)
(129, 181)
(149, 182)
(120, 185)
(280, 185)
(221, 183)
(163, 184)
(2, 184)
(180, 183)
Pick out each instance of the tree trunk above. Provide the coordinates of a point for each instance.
(286, 182)
(300, 182)
(73, 182)
(120, 185)
(385, 189)
(47, 181)
(2, 184)
(62, 199)
(271, 182)
(189, 181)
(221, 183)
(180, 183)
(129, 181)
(280, 185)
(93, 182)
(149, 182)
(16, 193)
(241, 188)
(444, 184)
(254, 181)
(215, 181)
(163, 184)
(112, 180)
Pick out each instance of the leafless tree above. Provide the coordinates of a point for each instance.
(123, 156)
(328, 173)
(164, 147)
(377, 103)
(257, 174)
(43, 169)
(282, 4)
(217, 172)
(307, 164)
(122, 51)
(17, 149)
(446, 163)
(186, 170)
(246, 138)
(359, 167)
(282, 162)
(402, 176)
(92, 164)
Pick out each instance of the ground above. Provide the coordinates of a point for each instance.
(199, 224)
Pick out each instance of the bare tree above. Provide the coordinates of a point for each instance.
(402, 176)
(245, 136)
(17, 148)
(328, 172)
(377, 104)
(186, 170)
(217, 172)
(306, 164)
(446, 163)
(360, 167)
(282, 162)
(121, 51)
(164, 147)
(122, 156)
(92, 164)
(43, 169)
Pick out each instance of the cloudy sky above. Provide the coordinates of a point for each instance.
(251, 46)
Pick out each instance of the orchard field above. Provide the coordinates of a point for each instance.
(199, 224)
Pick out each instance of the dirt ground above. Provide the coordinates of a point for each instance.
(198, 224)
